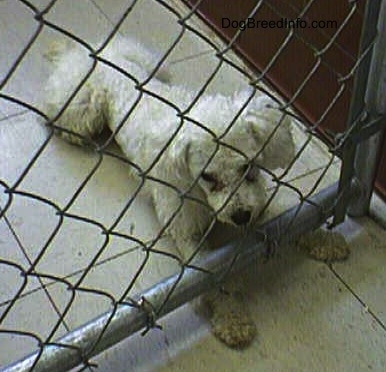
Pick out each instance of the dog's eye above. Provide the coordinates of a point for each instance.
(208, 177)
(252, 172)
(215, 183)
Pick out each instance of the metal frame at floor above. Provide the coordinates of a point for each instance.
(359, 162)
(112, 327)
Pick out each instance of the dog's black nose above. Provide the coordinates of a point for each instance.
(241, 217)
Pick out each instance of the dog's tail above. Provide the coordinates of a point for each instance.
(137, 53)
(55, 50)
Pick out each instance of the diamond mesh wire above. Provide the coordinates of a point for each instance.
(29, 272)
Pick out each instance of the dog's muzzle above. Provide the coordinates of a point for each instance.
(241, 217)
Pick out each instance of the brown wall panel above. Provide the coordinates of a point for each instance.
(331, 79)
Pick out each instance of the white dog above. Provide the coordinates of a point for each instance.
(200, 162)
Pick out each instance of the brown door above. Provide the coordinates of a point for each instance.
(321, 47)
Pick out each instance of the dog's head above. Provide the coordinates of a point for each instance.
(233, 186)
(229, 163)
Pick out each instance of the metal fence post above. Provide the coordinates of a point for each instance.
(357, 121)
(367, 153)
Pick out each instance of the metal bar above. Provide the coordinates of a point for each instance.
(365, 171)
(128, 320)
(366, 159)
(357, 106)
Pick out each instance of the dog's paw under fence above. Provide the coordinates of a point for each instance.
(330, 173)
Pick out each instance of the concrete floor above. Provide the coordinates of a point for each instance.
(310, 317)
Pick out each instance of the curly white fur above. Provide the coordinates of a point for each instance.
(206, 178)
(108, 95)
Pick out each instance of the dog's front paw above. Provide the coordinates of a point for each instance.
(327, 246)
(230, 320)
(234, 329)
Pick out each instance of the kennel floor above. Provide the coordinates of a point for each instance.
(309, 316)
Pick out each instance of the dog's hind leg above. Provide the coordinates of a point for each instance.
(78, 112)
(75, 103)
(84, 117)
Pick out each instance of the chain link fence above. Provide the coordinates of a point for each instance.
(62, 243)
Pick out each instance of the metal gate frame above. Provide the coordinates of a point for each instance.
(359, 146)
(257, 46)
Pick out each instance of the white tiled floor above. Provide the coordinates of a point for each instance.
(307, 319)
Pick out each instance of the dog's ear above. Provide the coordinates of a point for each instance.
(271, 129)
(183, 158)
(195, 160)
(176, 162)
